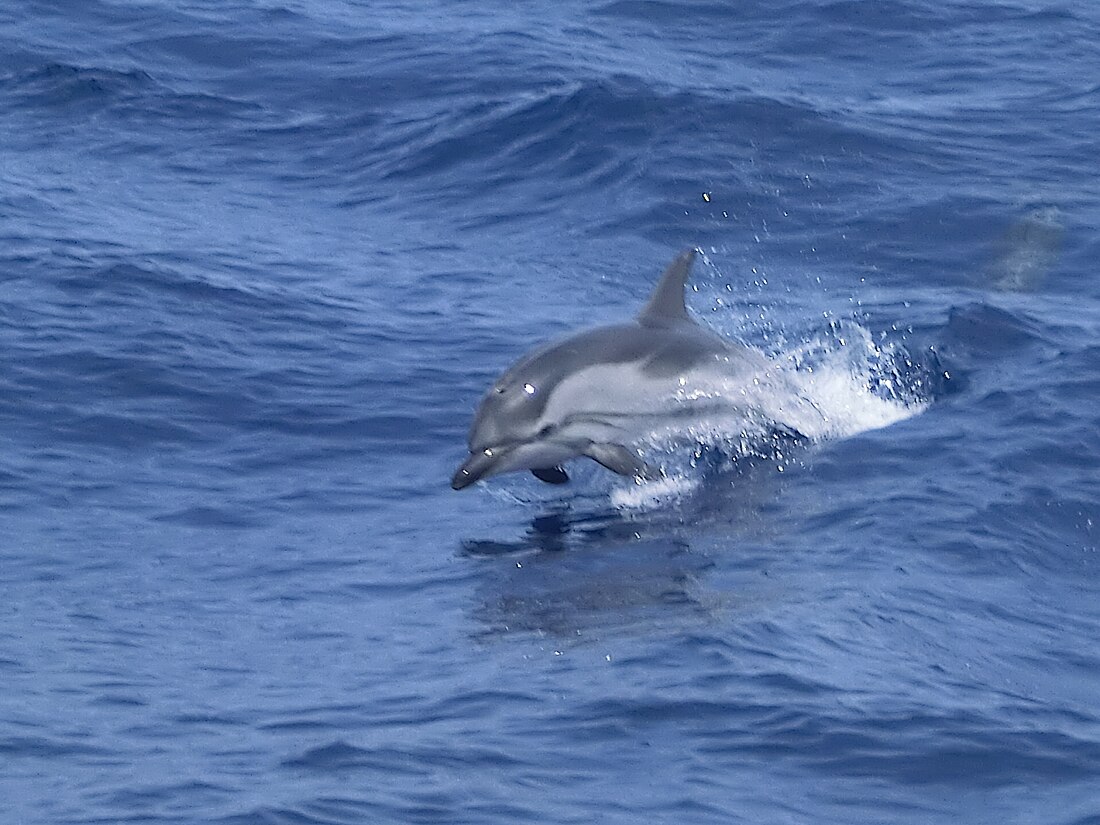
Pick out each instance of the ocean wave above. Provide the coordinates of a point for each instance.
(61, 85)
(581, 131)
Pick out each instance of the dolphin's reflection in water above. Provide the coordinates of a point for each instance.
(549, 532)
(616, 584)
(575, 571)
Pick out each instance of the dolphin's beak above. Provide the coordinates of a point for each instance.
(475, 467)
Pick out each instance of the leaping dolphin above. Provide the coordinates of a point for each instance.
(596, 392)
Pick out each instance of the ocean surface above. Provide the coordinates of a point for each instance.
(259, 259)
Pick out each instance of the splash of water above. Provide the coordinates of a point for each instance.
(834, 384)
(854, 382)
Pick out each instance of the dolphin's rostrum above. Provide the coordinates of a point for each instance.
(597, 392)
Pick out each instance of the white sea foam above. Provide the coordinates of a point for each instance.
(855, 383)
(645, 495)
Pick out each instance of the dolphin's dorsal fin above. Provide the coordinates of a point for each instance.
(666, 304)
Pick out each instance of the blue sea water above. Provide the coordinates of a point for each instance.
(260, 258)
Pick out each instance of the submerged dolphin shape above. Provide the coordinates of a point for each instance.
(596, 392)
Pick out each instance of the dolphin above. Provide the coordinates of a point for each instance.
(596, 392)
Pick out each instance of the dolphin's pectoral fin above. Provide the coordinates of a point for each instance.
(551, 475)
(618, 459)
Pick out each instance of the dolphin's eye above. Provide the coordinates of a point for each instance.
(545, 431)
